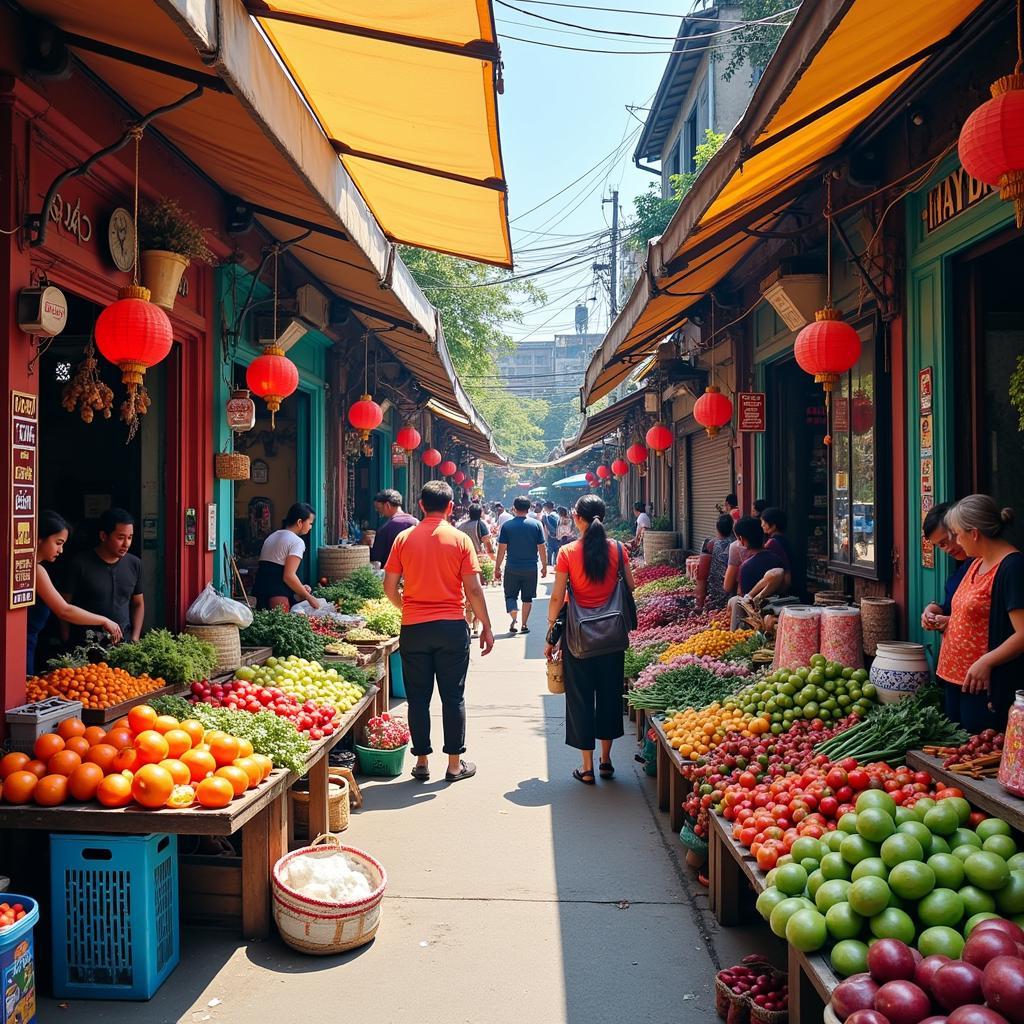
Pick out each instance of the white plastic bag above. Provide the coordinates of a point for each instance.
(305, 608)
(212, 608)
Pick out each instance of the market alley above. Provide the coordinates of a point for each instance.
(517, 896)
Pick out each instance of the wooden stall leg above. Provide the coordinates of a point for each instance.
(256, 876)
(319, 810)
(664, 768)
(728, 881)
(805, 1003)
(675, 797)
(641, 726)
(277, 829)
(714, 856)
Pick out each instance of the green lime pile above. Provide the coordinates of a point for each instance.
(824, 690)
(916, 874)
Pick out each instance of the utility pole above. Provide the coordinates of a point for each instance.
(612, 266)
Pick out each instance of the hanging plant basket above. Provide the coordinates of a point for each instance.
(231, 466)
(162, 271)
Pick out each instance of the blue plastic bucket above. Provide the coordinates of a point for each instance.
(397, 679)
(17, 963)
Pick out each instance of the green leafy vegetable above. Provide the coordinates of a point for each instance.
(287, 634)
(690, 686)
(637, 659)
(350, 593)
(382, 616)
(162, 655)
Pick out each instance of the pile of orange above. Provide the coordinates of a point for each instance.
(695, 733)
(96, 686)
(144, 758)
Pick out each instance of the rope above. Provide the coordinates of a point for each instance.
(828, 240)
(136, 134)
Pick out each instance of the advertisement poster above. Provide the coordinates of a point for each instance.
(24, 467)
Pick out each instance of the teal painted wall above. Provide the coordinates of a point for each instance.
(930, 334)
(310, 357)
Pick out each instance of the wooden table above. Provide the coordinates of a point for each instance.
(672, 786)
(261, 814)
(984, 793)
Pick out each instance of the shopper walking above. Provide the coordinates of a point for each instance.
(549, 523)
(643, 524)
(437, 564)
(480, 537)
(588, 571)
(389, 505)
(983, 650)
(277, 580)
(522, 540)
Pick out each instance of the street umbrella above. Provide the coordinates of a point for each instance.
(579, 480)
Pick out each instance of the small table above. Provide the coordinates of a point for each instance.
(673, 786)
(984, 793)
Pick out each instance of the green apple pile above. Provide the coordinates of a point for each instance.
(824, 691)
(916, 874)
(305, 680)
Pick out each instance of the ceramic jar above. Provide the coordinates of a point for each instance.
(898, 670)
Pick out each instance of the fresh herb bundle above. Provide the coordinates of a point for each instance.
(352, 592)
(691, 686)
(382, 616)
(162, 655)
(287, 634)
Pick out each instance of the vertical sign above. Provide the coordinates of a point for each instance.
(925, 455)
(24, 466)
(752, 411)
(211, 527)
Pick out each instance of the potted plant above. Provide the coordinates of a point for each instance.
(387, 739)
(169, 239)
(659, 539)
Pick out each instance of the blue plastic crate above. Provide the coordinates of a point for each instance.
(115, 914)
(397, 678)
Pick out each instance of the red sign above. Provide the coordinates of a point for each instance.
(24, 447)
(751, 411)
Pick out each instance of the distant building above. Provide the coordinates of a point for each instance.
(541, 367)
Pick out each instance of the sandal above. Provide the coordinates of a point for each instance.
(525, 629)
(421, 772)
(587, 778)
(466, 771)
(607, 770)
(512, 630)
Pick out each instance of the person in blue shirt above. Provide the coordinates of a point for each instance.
(522, 541)
(934, 529)
(549, 523)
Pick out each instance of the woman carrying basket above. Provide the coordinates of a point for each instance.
(596, 574)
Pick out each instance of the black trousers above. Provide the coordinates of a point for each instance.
(593, 698)
(436, 650)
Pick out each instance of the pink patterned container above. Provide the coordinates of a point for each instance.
(842, 638)
(798, 636)
(1011, 767)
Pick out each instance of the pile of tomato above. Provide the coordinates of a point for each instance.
(148, 759)
(11, 914)
(96, 686)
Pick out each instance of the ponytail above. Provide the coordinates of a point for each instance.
(591, 509)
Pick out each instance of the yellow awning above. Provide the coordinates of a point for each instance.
(838, 63)
(599, 425)
(407, 93)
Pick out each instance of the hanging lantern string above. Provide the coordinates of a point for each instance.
(711, 295)
(136, 133)
(828, 240)
(1019, 67)
(276, 335)
(366, 362)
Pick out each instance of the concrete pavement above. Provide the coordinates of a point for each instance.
(517, 896)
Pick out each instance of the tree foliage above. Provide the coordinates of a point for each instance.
(753, 44)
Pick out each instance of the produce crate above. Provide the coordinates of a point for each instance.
(28, 722)
(130, 883)
(101, 716)
(211, 889)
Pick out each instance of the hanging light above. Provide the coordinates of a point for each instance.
(408, 438)
(713, 410)
(636, 453)
(431, 457)
(604, 472)
(620, 467)
(590, 478)
(991, 142)
(459, 477)
(272, 376)
(469, 484)
(659, 438)
(365, 415)
(447, 468)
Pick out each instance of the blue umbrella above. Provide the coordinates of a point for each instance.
(579, 480)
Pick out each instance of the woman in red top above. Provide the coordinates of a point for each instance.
(983, 646)
(593, 688)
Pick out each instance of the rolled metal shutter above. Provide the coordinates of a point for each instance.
(682, 489)
(710, 466)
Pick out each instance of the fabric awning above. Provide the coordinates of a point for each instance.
(561, 460)
(252, 134)
(598, 425)
(406, 91)
(838, 63)
(579, 480)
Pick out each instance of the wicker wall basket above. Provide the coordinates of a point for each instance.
(337, 563)
(226, 641)
(231, 466)
(337, 798)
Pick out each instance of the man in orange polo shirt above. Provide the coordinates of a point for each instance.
(436, 562)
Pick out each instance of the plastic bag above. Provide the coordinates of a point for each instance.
(305, 608)
(212, 608)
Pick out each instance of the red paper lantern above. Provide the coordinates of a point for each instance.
(713, 410)
(134, 334)
(459, 477)
(431, 457)
(620, 467)
(828, 348)
(590, 478)
(659, 437)
(637, 454)
(408, 438)
(991, 142)
(469, 484)
(604, 472)
(272, 376)
(862, 416)
(365, 415)
(447, 468)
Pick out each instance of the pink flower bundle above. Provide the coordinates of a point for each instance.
(681, 628)
(720, 668)
(653, 572)
(387, 733)
(663, 609)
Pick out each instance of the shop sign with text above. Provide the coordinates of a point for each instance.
(957, 192)
(23, 483)
(751, 406)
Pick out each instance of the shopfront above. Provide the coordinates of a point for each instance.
(965, 315)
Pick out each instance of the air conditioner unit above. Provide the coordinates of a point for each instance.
(795, 297)
(313, 306)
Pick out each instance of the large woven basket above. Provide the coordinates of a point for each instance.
(231, 466)
(337, 799)
(337, 563)
(226, 643)
(319, 927)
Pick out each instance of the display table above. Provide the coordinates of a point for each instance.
(984, 793)
(673, 787)
(261, 814)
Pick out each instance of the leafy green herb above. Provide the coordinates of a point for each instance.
(348, 595)
(690, 686)
(287, 634)
(162, 655)
(382, 616)
(637, 659)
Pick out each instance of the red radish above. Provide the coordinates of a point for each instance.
(1002, 983)
(903, 1002)
(956, 984)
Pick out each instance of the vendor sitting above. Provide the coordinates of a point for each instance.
(277, 581)
(762, 574)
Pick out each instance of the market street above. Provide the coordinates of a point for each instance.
(517, 896)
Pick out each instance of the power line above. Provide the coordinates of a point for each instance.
(617, 10)
(627, 53)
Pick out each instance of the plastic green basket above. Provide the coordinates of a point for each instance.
(381, 762)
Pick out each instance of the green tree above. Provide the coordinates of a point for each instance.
(653, 211)
(754, 44)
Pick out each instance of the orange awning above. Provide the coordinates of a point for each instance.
(407, 93)
(838, 63)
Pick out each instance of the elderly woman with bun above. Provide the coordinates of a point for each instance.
(983, 648)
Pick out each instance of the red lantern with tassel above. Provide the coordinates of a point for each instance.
(659, 437)
(272, 376)
(431, 457)
(713, 410)
(408, 438)
(620, 467)
(447, 468)
(637, 454)
(459, 477)
(590, 478)
(828, 348)
(469, 484)
(365, 415)
(604, 472)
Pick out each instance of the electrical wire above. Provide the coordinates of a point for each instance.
(617, 10)
(626, 53)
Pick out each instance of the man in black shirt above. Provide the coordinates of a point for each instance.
(108, 580)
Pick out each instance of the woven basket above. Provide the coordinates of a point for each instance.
(556, 676)
(878, 617)
(337, 799)
(231, 466)
(337, 563)
(226, 642)
(320, 927)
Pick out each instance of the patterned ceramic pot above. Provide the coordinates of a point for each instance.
(898, 670)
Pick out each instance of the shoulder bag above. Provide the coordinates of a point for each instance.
(590, 632)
